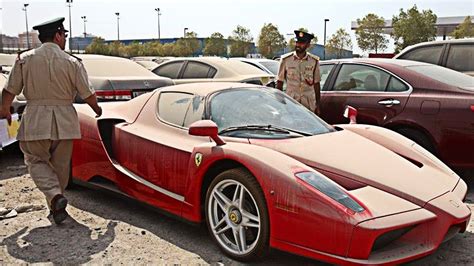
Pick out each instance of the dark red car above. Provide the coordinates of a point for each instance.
(432, 105)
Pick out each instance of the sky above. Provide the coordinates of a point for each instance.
(138, 18)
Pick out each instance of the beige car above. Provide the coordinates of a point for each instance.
(211, 69)
(454, 54)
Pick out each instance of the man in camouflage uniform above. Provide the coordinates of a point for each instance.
(300, 70)
(50, 80)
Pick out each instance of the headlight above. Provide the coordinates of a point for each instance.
(330, 189)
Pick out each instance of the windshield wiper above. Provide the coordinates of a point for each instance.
(266, 128)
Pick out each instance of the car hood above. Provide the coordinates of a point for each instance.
(353, 156)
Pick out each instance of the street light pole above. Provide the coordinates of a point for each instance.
(324, 53)
(84, 19)
(158, 15)
(185, 29)
(70, 24)
(118, 26)
(26, 20)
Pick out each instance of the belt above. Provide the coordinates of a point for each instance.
(48, 102)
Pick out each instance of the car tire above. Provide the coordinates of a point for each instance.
(418, 137)
(237, 215)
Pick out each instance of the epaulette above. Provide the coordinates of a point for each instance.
(314, 56)
(20, 52)
(79, 59)
(286, 55)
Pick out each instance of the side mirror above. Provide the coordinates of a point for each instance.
(206, 128)
(351, 113)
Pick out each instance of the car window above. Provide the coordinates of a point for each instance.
(170, 70)
(354, 77)
(196, 70)
(325, 70)
(461, 57)
(263, 107)
(396, 85)
(272, 66)
(429, 54)
(195, 111)
(172, 107)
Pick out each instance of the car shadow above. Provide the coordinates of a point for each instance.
(193, 238)
(68, 243)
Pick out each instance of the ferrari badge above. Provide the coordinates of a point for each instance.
(198, 158)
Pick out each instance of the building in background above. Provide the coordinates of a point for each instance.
(32, 37)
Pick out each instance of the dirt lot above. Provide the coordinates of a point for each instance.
(106, 228)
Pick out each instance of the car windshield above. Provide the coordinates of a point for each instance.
(272, 66)
(115, 68)
(445, 75)
(263, 113)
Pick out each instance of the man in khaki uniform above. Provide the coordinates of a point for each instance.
(300, 70)
(50, 80)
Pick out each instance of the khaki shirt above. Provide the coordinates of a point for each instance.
(300, 76)
(50, 79)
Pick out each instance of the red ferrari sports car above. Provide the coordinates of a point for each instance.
(264, 172)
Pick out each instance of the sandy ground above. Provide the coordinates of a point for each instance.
(106, 228)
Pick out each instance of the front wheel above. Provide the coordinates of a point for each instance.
(237, 215)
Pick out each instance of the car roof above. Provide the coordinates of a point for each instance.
(376, 61)
(226, 67)
(99, 57)
(205, 88)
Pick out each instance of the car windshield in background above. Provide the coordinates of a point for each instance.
(272, 66)
(114, 68)
(263, 113)
(445, 75)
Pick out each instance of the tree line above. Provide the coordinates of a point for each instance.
(409, 27)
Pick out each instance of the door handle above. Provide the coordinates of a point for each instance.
(389, 102)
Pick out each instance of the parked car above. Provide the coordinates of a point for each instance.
(267, 65)
(156, 59)
(274, 175)
(429, 104)
(115, 78)
(6, 62)
(454, 54)
(19, 102)
(148, 64)
(211, 69)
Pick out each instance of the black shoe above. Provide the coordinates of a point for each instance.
(58, 208)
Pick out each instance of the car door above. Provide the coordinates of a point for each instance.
(196, 72)
(377, 94)
(157, 147)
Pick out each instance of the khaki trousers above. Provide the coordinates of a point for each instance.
(48, 163)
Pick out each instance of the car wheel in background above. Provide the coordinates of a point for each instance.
(237, 215)
(418, 137)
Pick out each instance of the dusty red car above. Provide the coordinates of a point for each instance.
(265, 172)
(432, 105)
